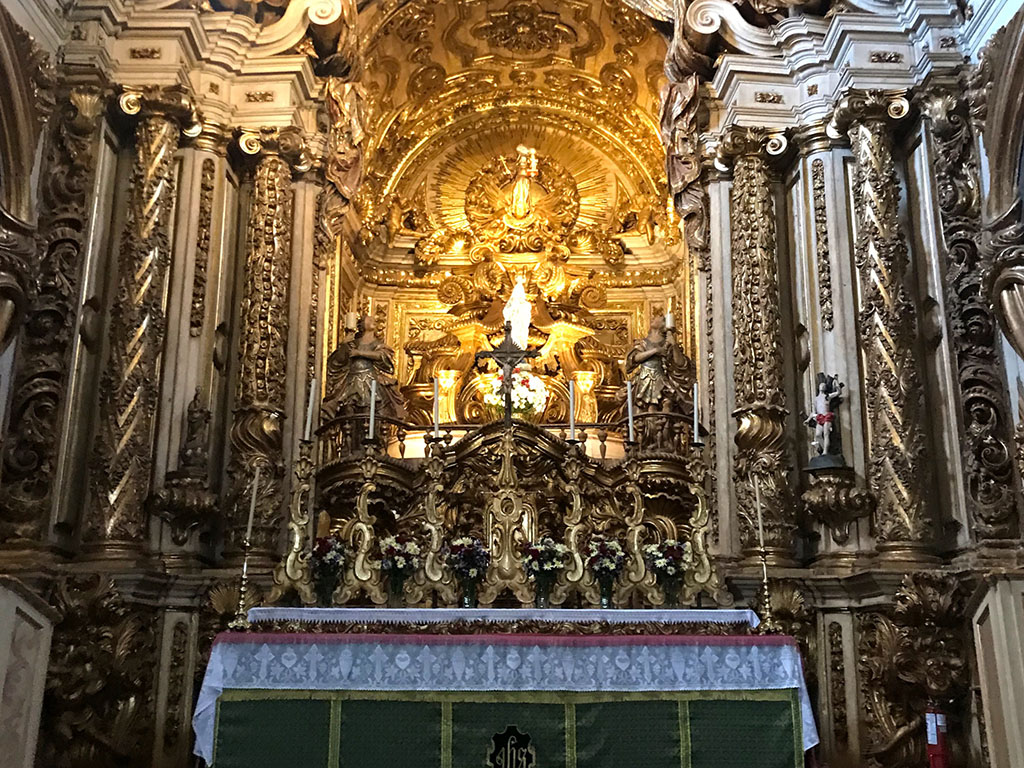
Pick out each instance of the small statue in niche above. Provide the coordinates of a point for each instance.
(193, 454)
(662, 375)
(361, 359)
(823, 420)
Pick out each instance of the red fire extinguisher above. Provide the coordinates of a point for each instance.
(938, 748)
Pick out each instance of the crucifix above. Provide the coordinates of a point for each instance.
(508, 355)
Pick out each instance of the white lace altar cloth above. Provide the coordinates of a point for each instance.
(506, 662)
(548, 615)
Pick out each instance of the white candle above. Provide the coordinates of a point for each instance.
(351, 321)
(572, 409)
(629, 407)
(760, 517)
(373, 407)
(437, 409)
(696, 414)
(252, 504)
(670, 322)
(314, 386)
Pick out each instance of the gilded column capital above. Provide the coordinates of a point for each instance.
(172, 102)
(861, 106)
(214, 137)
(288, 143)
(744, 141)
(813, 138)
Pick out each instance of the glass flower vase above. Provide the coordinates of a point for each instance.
(606, 583)
(325, 582)
(396, 589)
(670, 586)
(542, 594)
(468, 598)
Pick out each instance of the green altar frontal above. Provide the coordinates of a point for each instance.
(508, 729)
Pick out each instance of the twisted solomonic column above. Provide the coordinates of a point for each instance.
(761, 465)
(256, 434)
(129, 393)
(893, 391)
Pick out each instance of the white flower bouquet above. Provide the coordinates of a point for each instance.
(529, 395)
(399, 554)
(669, 559)
(545, 559)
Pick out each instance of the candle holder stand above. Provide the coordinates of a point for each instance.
(240, 623)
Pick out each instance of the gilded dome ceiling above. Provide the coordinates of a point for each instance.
(451, 88)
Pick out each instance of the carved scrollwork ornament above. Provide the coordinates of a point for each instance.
(834, 500)
(910, 656)
(986, 441)
(38, 391)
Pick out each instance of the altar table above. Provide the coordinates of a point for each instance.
(362, 698)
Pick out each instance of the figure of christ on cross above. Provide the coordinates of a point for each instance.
(508, 355)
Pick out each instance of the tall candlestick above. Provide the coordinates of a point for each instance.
(760, 516)
(373, 408)
(252, 504)
(437, 409)
(696, 413)
(313, 388)
(629, 408)
(572, 409)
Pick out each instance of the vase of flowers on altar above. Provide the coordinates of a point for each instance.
(326, 563)
(605, 558)
(399, 559)
(468, 558)
(669, 560)
(529, 395)
(543, 561)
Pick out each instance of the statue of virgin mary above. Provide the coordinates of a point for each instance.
(519, 311)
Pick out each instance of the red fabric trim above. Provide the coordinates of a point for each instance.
(524, 640)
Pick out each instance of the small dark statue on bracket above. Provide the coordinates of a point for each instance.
(824, 421)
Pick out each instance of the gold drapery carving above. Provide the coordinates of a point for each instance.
(985, 439)
(887, 325)
(30, 447)
(256, 434)
(756, 318)
(129, 393)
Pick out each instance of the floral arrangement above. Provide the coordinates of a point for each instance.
(326, 562)
(529, 395)
(328, 553)
(605, 556)
(669, 559)
(399, 554)
(545, 558)
(467, 557)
